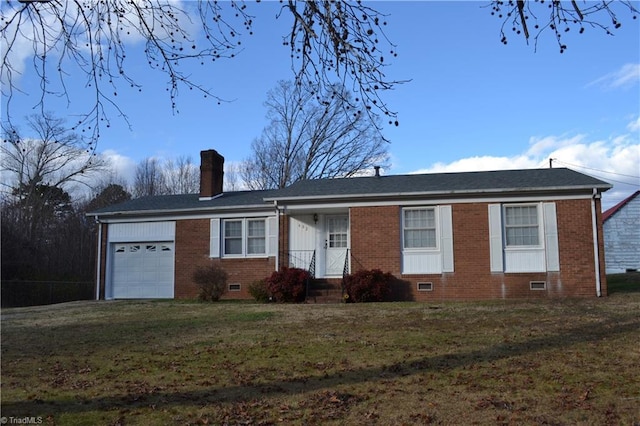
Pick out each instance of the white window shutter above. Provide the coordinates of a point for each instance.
(551, 237)
(272, 229)
(446, 238)
(214, 238)
(495, 238)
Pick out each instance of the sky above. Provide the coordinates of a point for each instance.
(470, 103)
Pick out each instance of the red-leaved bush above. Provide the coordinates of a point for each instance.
(288, 285)
(368, 286)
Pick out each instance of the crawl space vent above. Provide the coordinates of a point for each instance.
(537, 285)
(425, 286)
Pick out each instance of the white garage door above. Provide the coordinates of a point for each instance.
(143, 270)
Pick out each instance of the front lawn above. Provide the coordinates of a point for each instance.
(516, 362)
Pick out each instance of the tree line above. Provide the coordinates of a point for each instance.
(50, 181)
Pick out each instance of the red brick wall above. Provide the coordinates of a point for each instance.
(192, 251)
(376, 243)
(375, 238)
(283, 239)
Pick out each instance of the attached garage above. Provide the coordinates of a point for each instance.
(143, 270)
(142, 259)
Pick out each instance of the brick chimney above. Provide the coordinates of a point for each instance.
(211, 174)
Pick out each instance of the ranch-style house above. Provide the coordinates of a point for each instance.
(444, 236)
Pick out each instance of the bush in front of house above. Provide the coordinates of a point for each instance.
(212, 282)
(368, 286)
(288, 285)
(258, 290)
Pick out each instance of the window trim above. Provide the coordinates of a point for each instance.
(244, 236)
(436, 222)
(539, 225)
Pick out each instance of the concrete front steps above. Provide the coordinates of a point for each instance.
(325, 290)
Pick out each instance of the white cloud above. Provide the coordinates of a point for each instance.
(482, 163)
(627, 76)
(123, 168)
(634, 126)
(20, 32)
(616, 161)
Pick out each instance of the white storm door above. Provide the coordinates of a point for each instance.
(336, 244)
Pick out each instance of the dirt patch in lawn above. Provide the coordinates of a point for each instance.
(524, 362)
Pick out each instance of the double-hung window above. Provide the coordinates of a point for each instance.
(256, 243)
(523, 238)
(232, 237)
(427, 240)
(521, 225)
(419, 228)
(244, 237)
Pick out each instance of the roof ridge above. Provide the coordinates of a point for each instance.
(613, 210)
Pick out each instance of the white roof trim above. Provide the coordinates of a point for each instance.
(434, 201)
(432, 193)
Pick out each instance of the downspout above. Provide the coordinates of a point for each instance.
(596, 252)
(99, 262)
(275, 204)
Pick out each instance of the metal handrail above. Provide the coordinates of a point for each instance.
(345, 269)
(345, 272)
(304, 259)
(312, 265)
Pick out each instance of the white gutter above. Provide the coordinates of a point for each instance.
(596, 253)
(454, 192)
(99, 262)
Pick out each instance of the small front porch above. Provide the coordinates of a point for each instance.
(318, 289)
(318, 242)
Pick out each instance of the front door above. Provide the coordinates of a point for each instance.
(336, 244)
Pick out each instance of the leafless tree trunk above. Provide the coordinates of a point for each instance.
(310, 136)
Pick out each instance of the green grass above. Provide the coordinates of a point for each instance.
(502, 362)
(624, 283)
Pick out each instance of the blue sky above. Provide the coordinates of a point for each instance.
(472, 102)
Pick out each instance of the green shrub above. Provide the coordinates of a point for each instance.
(212, 281)
(288, 285)
(258, 289)
(368, 286)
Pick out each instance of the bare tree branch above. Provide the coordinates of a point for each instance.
(52, 155)
(562, 16)
(309, 139)
(94, 37)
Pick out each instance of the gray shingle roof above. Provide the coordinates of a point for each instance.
(397, 186)
(501, 181)
(187, 203)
